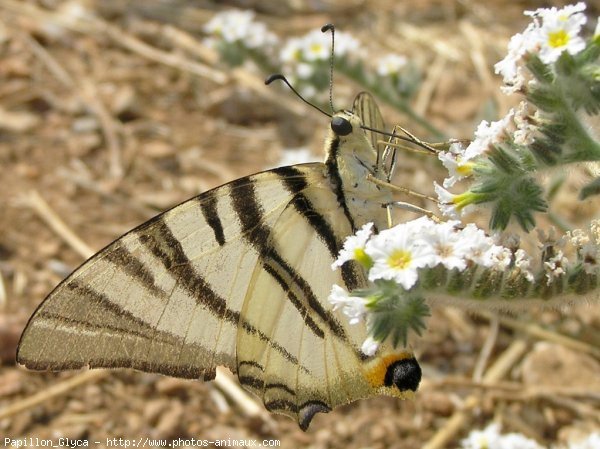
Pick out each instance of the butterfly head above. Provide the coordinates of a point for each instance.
(347, 133)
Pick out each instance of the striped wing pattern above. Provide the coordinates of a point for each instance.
(190, 290)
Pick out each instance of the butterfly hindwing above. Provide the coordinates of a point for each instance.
(295, 270)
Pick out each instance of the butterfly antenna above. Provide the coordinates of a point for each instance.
(280, 77)
(324, 29)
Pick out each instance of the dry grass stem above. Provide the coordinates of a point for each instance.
(486, 350)
(460, 418)
(226, 382)
(35, 201)
(536, 331)
(58, 389)
(427, 89)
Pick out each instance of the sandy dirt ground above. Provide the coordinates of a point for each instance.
(103, 127)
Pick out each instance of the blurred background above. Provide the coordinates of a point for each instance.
(112, 111)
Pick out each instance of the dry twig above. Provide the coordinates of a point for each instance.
(486, 350)
(51, 392)
(544, 334)
(35, 201)
(496, 372)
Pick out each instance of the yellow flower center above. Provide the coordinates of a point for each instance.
(558, 39)
(399, 259)
(316, 48)
(363, 258)
(465, 169)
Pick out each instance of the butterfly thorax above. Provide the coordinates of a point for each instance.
(350, 159)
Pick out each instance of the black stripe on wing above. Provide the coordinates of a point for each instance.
(258, 234)
(296, 183)
(208, 206)
(161, 242)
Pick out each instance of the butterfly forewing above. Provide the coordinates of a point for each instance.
(164, 298)
(366, 108)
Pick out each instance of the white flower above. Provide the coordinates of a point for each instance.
(597, 30)
(523, 263)
(352, 306)
(304, 70)
(497, 257)
(563, 14)
(578, 237)
(482, 439)
(446, 201)
(489, 133)
(449, 247)
(354, 246)
(592, 441)
(456, 163)
(316, 46)
(345, 44)
(491, 438)
(479, 245)
(509, 67)
(555, 266)
(526, 125)
(258, 36)
(397, 254)
(309, 91)
(390, 65)
(291, 51)
(370, 346)
(560, 31)
(239, 26)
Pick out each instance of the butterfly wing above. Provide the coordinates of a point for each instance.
(323, 366)
(166, 297)
(366, 108)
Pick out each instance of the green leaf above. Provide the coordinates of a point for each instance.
(593, 188)
(394, 316)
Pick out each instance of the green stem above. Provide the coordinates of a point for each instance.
(583, 147)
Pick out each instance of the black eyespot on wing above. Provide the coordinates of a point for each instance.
(405, 374)
(341, 126)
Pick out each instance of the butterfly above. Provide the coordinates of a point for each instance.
(239, 277)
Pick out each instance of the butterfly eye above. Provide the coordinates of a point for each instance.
(405, 374)
(341, 126)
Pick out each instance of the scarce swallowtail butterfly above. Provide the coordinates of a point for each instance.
(239, 277)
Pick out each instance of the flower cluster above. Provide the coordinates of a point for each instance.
(303, 58)
(398, 253)
(552, 32)
(396, 257)
(428, 260)
(506, 160)
(239, 26)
